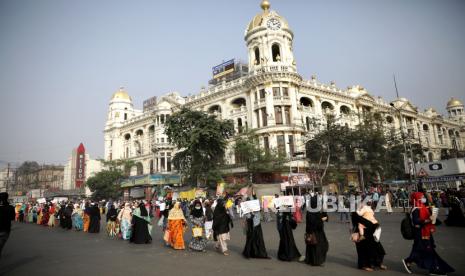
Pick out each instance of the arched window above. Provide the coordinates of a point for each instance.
(239, 125)
(127, 136)
(257, 55)
(307, 102)
(276, 52)
(345, 110)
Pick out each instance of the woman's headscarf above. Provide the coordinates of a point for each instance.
(197, 213)
(176, 212)
(424, 214)
(143, 210)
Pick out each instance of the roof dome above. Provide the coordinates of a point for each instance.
(121, 94)
(259, 19)
(453, 102)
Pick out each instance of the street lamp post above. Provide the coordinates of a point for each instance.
(404, 143)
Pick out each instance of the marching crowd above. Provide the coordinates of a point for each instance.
(212, 219)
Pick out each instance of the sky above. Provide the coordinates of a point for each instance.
(61, 61)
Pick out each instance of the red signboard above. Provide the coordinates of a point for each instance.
(80, 165)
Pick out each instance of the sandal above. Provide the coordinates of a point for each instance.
(226, 253)
(382, 267)
(367, 269)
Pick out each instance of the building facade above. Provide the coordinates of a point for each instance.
(74, 179)
(273, 99)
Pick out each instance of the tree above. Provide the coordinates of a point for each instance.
(202, 141)
(105, 184)
(255, 158)
(123, 165)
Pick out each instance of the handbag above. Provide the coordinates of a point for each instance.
(197, 232)
(310, 239)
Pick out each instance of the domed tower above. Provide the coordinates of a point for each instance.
(455, 110)
(269, 40)
(120, 109)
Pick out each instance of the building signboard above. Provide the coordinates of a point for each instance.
(223, 69)
(80, 166)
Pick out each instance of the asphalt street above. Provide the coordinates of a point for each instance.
(38, 250)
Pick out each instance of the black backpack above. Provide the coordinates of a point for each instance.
(406, 227)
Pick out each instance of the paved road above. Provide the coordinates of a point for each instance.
(37, 250)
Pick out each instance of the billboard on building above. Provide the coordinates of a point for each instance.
(80, 166)
(223, 69)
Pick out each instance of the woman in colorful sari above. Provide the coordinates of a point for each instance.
(45, 215)
(51, 220)
(176, 225)
(30, 214)
(197, 219)
(125, 218)
(39, 214)
(77, 217)
(86, 217)
(141, 226)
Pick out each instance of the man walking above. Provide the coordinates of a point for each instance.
(7, 214)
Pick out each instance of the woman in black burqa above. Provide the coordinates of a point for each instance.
(94, 214)
(140, 226)
(315, 254)
(287, 249)
(254, 244)
(369, 251)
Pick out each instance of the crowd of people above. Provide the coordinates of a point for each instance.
(210, 221)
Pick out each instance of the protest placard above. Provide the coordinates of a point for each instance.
(250, 206)
(287, 201)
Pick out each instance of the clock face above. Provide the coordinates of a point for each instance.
(273, 24)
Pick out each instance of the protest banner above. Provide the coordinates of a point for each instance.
(286, 201)
(250, 206)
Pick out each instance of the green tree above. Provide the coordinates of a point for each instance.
(202, 141)
(105, 184)
(255, 158)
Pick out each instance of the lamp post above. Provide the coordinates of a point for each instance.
(404, 142)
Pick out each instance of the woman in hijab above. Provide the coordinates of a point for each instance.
(86, 217)
(176, 225)
(423, 253)
(221, 222)
(112, 215)
(317, 247)
(141, 224)
(94, 225)
(197, 220)
(67, 213)
(287, 248)
(254, 244)
(77, 217)
(370, 251)
(125, 219)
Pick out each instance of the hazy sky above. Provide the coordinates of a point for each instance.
(60, 61)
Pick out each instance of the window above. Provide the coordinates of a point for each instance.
(264, 119)
(266, 144)
(276, 92)
(307, 122)
(239, 125)
(278, 114)
(258, 117)
(287, 115)
(291, 145)
(162, 119)
(162, 161)
(125, 116)
(281, 145)
(285, 91)
(162, 140)
(276, 52)
(127, 152)
(168, 161)
(257, 55)
(151, 166)
(262, 93)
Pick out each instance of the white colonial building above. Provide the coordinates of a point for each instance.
(274, 100)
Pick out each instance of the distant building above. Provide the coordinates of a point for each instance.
(7, 178)
(78, 169)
